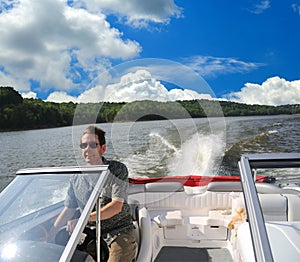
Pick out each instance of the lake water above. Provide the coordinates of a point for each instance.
(156, 148)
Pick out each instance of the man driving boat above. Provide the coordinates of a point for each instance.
(116, 222)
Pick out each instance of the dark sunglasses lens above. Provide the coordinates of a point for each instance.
(92, 145)
(83, 145)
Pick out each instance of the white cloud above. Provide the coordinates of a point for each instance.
(274, 91)
(8, 80)
(55, 49)
(211, 66)
(260, 7)
(60, 96)
(92, 95)
(29, 94)
(137, 13)
(296, 8)
(136, 86)
(187, 94)
(140, 85)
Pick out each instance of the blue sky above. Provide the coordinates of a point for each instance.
(246, 51)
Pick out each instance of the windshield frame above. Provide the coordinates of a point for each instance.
(247, 165)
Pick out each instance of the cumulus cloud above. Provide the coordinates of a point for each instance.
(55, 50)
(60, 97)
(274, 91)
(187, 94)
(140, 85)
(137, 13)
(29, 94)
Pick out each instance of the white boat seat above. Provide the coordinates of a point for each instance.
(145, 235)
(136, 189)
(164, 187)
(155, 187)
(134, 204)
(142, 223)
(134, 208)
(169, 218)
(262, 188)
(266, 188)
(153, 192)
(224, 187)
(274, 206)
(199, 204)
(293, 207)
(207, 201)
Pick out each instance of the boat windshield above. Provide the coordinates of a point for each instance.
(30, 205)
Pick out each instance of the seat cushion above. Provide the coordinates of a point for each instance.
(169, 218)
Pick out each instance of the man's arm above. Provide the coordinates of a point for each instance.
(109, 210)
(65, 215)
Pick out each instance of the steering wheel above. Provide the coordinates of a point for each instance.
(62, 236)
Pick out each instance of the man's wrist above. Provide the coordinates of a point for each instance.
(89, 220)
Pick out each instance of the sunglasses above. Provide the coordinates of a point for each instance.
(91, 144)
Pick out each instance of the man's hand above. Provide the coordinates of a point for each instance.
(71, 225)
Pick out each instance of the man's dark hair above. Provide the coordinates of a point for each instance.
(96, 131)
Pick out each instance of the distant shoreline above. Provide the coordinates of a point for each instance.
(51, 127)
(18, 113)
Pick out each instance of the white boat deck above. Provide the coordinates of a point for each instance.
(182, 225)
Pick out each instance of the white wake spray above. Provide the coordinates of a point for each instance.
(200, 155)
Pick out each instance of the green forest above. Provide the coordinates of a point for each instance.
(18, 113)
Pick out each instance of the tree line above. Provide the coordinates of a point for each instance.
(18, 113)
